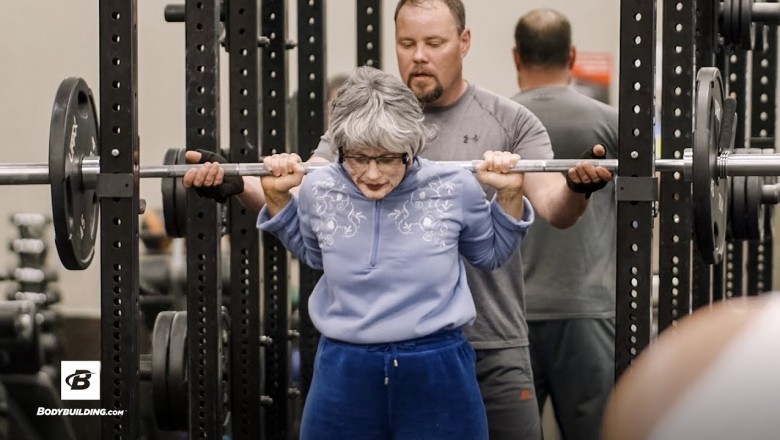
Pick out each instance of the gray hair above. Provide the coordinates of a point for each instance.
(376, 109)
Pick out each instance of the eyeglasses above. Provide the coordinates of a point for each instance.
(389, 162)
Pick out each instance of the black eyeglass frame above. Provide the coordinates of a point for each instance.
(405, 158)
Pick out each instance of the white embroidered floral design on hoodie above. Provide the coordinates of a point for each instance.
(422, 213)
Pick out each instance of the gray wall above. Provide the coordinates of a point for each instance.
(44, 41)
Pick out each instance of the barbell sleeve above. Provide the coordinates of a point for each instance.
(765, 13)
(749, 164)
(770, 194)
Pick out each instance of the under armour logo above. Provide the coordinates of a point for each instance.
(466, 138)
(79, 380)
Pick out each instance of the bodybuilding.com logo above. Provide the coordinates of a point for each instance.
(80, 380)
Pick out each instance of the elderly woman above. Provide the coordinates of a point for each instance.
(390, 231)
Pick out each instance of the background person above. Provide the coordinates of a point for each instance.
(569, 274)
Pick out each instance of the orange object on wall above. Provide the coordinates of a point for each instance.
(593, 67)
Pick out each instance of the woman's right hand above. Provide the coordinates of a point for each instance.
(286, 173)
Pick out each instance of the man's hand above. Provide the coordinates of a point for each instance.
(209, 180)
(586, 178)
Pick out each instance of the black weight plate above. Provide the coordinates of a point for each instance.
(754, 212)
(736, 23)
(161, 339)
(181, 198)
(737, 217)
(226, 368)
(168, 187)
(769, 223)
(177, 372)
(746, 33)
(73, 135)
(709, 191)
(726, 22)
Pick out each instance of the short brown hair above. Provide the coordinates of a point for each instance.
(455, 6)
(543, 38)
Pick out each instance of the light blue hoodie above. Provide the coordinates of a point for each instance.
(392, 268)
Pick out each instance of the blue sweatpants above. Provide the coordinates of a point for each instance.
(423, 388)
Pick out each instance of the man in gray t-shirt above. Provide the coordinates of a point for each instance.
(569, 274)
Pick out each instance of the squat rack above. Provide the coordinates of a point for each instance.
(692, 38)
(119, 279)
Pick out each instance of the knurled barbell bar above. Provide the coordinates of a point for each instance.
(73, 171)
(726, 165)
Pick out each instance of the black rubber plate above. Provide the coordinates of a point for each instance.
(710, 192)
(73, 135)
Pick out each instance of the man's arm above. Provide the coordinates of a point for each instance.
(553, 200)
(552, 197)
(253, 197)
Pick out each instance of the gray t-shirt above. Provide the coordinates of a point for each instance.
(482, 121)
(571, 273)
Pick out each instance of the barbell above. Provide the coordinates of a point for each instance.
(73, 170)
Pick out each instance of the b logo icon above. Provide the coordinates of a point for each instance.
(80, 380)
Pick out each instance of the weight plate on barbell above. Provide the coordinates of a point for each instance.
(710, 192)
(174, 197)
(73, 135)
